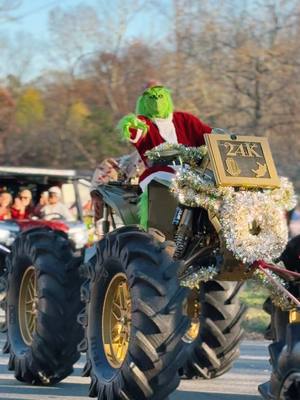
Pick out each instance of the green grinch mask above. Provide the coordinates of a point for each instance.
(155, 102)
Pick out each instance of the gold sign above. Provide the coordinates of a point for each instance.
(242, 161)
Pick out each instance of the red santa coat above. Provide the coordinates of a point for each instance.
(189, 131)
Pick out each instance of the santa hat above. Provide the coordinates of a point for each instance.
(152, 83)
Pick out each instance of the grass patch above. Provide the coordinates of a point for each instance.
(253, 296)
(256, 319)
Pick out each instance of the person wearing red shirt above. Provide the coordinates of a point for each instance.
(22, 207)
(155, 123)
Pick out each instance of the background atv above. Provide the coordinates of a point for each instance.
(37, 180)
(42, 274)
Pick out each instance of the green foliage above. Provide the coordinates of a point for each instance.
(248, 85)
(100, 135)
(30, 108)
(253, 296)
(256, 319)
(78, 114)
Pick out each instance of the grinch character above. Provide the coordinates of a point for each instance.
(156, 122)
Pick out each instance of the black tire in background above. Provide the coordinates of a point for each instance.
(3, 256)
(284, 352)
(3, 288)
(216, 347)
(49, 356)
(149, 369)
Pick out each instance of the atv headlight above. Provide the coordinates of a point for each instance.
(79, 236)
(8, 232)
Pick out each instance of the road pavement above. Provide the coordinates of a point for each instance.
(251, 369)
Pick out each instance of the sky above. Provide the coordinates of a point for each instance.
(31, 17)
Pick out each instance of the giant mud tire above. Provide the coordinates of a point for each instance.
(3, 290)
(213, 350)
(42, 304)
(144, 365)
(284, 352)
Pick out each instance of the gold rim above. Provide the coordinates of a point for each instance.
(193, 331)
(294, 316)
(116, 320)
(193, 311)
(28, 305)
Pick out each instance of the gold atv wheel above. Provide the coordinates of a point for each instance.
(116, 320)
(215, 333)
(42, 304)
(28, 305)
(133, 318)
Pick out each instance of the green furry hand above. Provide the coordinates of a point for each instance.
(131, 121)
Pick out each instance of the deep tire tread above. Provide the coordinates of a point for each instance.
(53, 352)
(156, 352)
(217, 346)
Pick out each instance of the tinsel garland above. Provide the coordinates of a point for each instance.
(278, 298)
(193, 190)
(203, 274)
(254, 226)
(188, 181)
(190, 155)
(252, 221)
(284, 196)
(240, 210)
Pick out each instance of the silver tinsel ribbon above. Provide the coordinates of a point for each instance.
(245, 209)
(253, 221)
(238, 211)
(189, 155)
(203, 274)
(279, 299)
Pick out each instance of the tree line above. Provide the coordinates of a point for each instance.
(233, 64)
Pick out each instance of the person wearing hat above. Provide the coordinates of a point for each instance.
(55, 209)
(156, 122)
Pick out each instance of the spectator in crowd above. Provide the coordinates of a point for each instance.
(44, 198)
(294, 222)
(55, 209)
(22, 207)
(5, 205)
(17, 209)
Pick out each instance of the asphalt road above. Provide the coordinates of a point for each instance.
(240, 383)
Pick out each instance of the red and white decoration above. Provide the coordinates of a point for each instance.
(179, 127)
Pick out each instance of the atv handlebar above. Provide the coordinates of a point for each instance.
(167, 157)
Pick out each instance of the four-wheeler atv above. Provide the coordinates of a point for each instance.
(38, 180)
(162, 302)
(46, 255)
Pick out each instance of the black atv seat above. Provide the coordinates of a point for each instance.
(161, 205)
